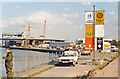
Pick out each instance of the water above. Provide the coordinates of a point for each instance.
(23, 58)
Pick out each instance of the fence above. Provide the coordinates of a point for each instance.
(21, 63)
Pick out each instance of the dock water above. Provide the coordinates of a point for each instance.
(25, 59)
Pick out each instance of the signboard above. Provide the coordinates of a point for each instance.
(107, 47)
(99, 43)
(99, 30)
(89, 31)
(89, 43)
(99, 17)
(88, 17)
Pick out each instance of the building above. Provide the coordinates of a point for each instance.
(80, 41)
(29, 42)
(7, 35)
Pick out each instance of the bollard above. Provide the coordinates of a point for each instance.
(14, 66)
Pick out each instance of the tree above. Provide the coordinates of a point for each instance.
(114, 42)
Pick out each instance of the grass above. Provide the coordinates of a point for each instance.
(107, 62)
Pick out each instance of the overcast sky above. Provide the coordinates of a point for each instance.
(64, 19)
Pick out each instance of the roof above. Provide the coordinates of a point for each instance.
(21, 38)
(47, 39)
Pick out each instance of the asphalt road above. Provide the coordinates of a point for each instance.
(70, 71)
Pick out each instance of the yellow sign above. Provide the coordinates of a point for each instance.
(89, 31)
(99, 17)
(106, 46)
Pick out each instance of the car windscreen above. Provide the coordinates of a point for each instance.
(68, 55)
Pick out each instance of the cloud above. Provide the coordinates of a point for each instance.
(39, 17)
(66, 8)
(76, 15)
(86, 3)
(3, 24)
(111, 13)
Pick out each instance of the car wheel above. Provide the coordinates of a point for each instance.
(73, 63)
(77, 62)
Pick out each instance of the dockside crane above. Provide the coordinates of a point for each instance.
(44, 27)
(29, 27)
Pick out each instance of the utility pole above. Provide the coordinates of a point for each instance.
(94, 33)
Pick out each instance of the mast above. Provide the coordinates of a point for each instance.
(44, 27)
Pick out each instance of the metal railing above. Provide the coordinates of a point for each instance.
(22, 63)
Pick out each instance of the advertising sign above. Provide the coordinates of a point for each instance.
(89, 43)
(99, 30)
(88, 17)
(99, 17)
(89, 31)
(107, 47)
(99, 43)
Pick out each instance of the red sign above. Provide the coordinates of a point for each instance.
(89, 43)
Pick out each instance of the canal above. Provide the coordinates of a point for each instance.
(24, 59)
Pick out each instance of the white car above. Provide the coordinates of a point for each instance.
(114, 49)
(70, 57)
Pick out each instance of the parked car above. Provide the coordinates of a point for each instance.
(114, 49)
(69, 57)
(86, 52)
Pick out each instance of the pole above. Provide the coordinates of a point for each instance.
(94, 33)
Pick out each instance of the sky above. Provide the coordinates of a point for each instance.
(65, 20)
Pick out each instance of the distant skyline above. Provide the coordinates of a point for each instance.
(64, 19)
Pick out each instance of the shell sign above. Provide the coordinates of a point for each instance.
(99, 17)
(89, 31)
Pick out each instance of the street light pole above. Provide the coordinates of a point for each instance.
(94, 33)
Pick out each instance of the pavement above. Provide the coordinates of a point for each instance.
(111, 70)
(29, 72)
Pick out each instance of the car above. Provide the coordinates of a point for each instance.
(114, 49)
(86, 52)
(69, 57)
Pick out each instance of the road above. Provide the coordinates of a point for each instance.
(67, 70)
(70, 71)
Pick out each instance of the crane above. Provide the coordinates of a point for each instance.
(29, 27)
(44, 27)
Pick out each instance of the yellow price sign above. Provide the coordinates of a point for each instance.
(99, 17)
(106, 46)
